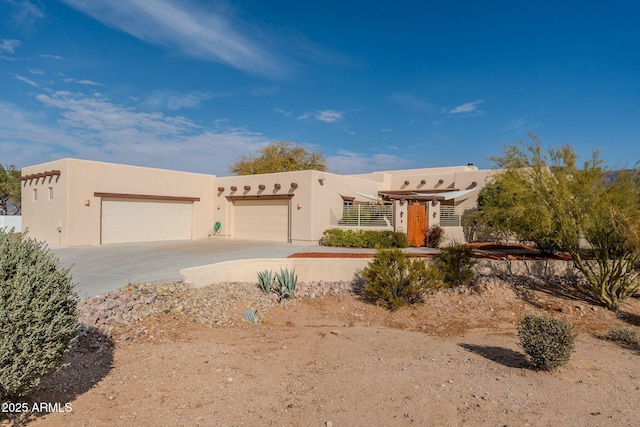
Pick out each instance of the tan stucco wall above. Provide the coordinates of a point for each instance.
(80, 179)
(318, 193)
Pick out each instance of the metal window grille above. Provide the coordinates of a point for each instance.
(449, 216)
(365, 216)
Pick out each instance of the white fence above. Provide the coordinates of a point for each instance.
(364, 216)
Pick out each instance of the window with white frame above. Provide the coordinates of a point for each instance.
(35, 194)
(50, 193)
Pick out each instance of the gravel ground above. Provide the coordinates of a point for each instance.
(120, 312)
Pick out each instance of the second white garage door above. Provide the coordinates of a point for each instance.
(262, 220)
(126, 220)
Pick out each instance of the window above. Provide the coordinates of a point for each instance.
(50, 193)
(35, 194)
(347, 202)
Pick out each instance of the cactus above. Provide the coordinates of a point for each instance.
(286, 283)
(265, 281)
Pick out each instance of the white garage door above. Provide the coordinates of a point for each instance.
(262, 220)
(126, 220)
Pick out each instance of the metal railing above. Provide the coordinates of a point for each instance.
(365, 216)
(450, 216)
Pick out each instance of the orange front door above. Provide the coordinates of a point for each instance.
(416, 224)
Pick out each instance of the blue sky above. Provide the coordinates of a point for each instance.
(377, 85)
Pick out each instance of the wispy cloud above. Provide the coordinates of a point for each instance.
(516, 124)
(521, 125)
(48, 56)
(173, 100)
(9, 45)
(93, 127)
(194, 30)
(83, 82)
(26, 12)
(349, 162)
(283, 112)
(467, 109)
(413, 103)
(327, 116)
(26, 80)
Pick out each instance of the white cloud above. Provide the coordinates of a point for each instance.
(9, 46)
(349, 162)
(327, 116)
(26, 80)
(469, 108)
(47, 56)
(93, 127)
(173, 100)
(88, 83)
(82, 82)
(192, 29)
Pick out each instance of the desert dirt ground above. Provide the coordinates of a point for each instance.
(341, 361)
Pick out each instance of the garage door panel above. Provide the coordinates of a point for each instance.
(125, 220)
(262, 220)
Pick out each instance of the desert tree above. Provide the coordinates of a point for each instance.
(585, 209)
(10, 193)
(279, 157)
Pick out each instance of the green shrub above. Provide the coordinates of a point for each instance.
(623, 335)
(363, 238)
(38, 314)
(393, 279)
(546, 340)
(435, 233)
(456, 263)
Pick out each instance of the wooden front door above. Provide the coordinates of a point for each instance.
(416, 224)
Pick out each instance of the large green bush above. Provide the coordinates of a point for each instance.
(363, 238)
(393, 279)
(547, 341)
(456, 263)
(38, 317)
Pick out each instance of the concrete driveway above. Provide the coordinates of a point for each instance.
(100, 269)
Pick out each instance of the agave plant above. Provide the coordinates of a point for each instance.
(286, 283)
(265, 281)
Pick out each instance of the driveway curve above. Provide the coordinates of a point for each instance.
(100, 269)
